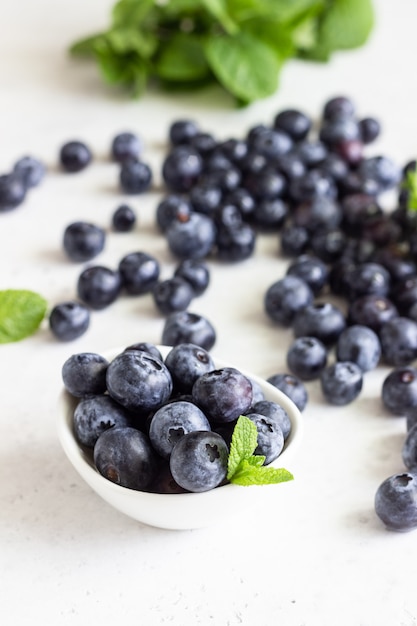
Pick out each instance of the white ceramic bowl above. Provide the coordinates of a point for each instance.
(177, 511)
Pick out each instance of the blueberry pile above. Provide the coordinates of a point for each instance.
(349, 293)
(165, 425)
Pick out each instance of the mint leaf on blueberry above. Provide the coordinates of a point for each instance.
(21, 313)
(244, 467)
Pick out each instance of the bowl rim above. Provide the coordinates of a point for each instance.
(109, 491)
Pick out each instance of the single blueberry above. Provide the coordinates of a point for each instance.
(292, 386)
(12, 191)
(275, 412)
(312, 270)
(172, 295)
(82, 241)
(182, 168)
(171, 422)
(235, 243)
(359, 344)
(323, 320)
(138, 381)
(139, 272)
(69, 320)
(187, 362)
(409, 449)
(125, 146)
(30, 170)
(191, 237)
(223, 394)
(84, 374)
(148, 347)
(95, 414)
(399, 390)
(285, 297)
(123, 219)
(135, 177)
(398, 338)
(307, 357)
(171, 208)
(341, 382)
(74, 156)
(396, 502)
(98, 286)
(198, 461)
(182, 131)
(125, 456)
(293, 122)
(187, 327)
(270, 437)
(196, 273)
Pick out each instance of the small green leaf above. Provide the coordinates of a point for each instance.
(218, 9)
(249, 474)
(243, 444)
(182, 59)
(410, 186)
(244, 65)
(125, 40)
(21, 313)
(131, 12)
(346, 24)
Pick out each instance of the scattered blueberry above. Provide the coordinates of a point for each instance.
(341, 382)
(84, 374)
(292, 386)
(396, 502)
(69, 320)
(359, 344)
(123, 219)
(126, 146)
(74, 156)
(98, 286)
(12, 192)
(307, 357)
(82, 241)
(30, 170)
(135, 177)
(139, 272)
(172, 295)
(187, 327)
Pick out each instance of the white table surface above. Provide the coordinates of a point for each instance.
(317, 555)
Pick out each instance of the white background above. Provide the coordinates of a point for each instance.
(316, 555)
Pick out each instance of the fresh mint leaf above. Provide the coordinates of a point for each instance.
(182, 59)
(21, 313)
(410, 186)
(246, 468)
(246, 66)
(131, 12)
(128, 39)
(249, 474)
(346, 24)
(218, 9)
(243, 445)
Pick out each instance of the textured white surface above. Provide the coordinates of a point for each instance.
(317, 556)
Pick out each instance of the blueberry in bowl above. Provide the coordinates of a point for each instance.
(161, 454)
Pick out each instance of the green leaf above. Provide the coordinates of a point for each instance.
(21, 313)
(131, 39)
(243, 444)
(218, 9)
(249, 474)
(285, 11)
(131, 12)
(86, 46)
(346, 24)
(182, 59)
(273, 33)
(244, 65)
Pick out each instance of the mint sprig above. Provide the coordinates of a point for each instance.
(21, 313)
(239, 44)
(410, 185)
(246, 468)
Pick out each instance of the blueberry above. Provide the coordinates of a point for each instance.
(196, 273)
(399, 390)
(12, 191)
(293, 388)
(370, 129)
(203, 142)
(191, 237)
(276, 413)
(409, 449)
(95, 414)
(396, 502)
(98, 286)
(242, 200)
(328, 245)
(205, 197)
(198, 461)
(270, 142)
(146, 346)
(187, 327)
(270, 437)
(359, 344)
(123, 219)
(84, 374)
(30, 170)
(311, 153)
(266, 184)
(125, 456)
(323, 320)
(223, 394)
(307, 357)
(293, 122)
(334, 132)
(341, 382)
(83, 241)
(182, 168)
(284, 298)
(234, 149)
(125, 146)
(372, 311)
(171, 208)
(172, 295)
(270, 214)
(310, 269)
(187, 362)
(135, 177)
(171, 422)
(380, 169)
(294, 240)
(368, 278)
(235, 243)
(317, 212)
(139, 272)
(182, 131)
(138, 381)
(74, 156)
(69, 320)
(338, 107)
(398, 339)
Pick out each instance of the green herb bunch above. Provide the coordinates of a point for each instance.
(240, 44)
